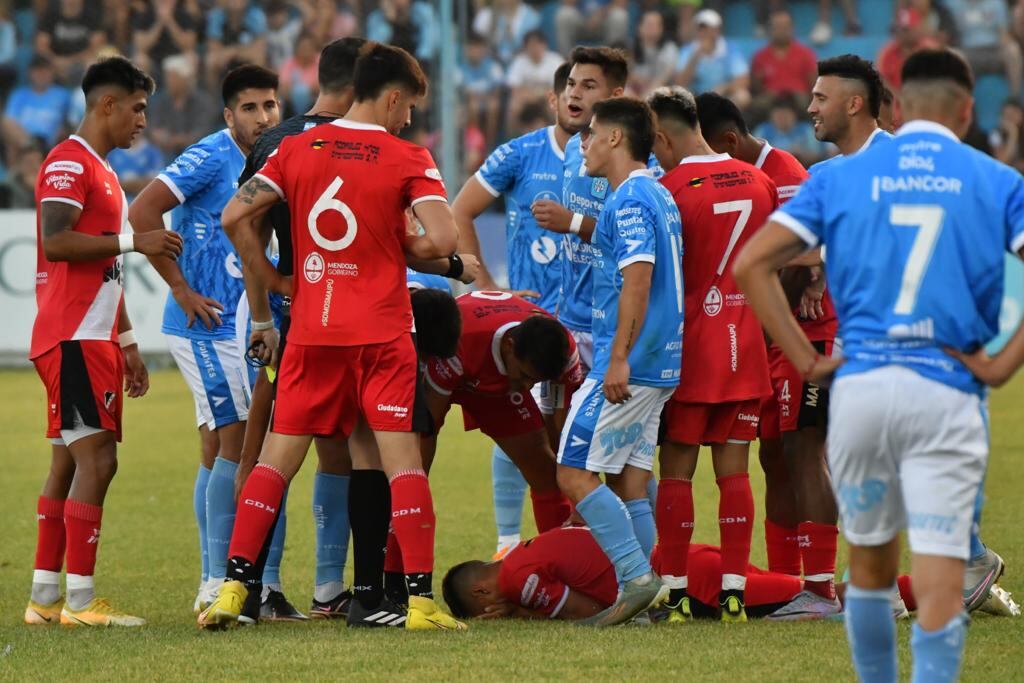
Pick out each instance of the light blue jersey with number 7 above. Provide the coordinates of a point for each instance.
(916, 229)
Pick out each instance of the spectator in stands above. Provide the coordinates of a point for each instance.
(178, 113)
(601, 21)
(18, 189)
(137, 165)
(235, 32)
(785, 130)
(1006, 139)
(162, 29)
(35, 110)
(710, 63)
(117, 25)
(480, 78)
(985, 40)
(784, 66)
(654, 55)
(8, 50)
(409, 24)
(68, 34)
(284, 26)
(939, 23)
(910, 35)
(822, 31)
(329, 20)
(530, 75)
(505, 23)
(299, 82)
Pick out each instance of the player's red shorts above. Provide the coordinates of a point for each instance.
(499, 416)
(707, 423)
(322, 390)
(794, 404)
(84, 379)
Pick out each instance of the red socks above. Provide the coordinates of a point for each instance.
(550, 509)
(52, 537)
(783, 548)
(818, 548)
(736, 525)
(393, 555)
(674, 520)
(412, 519)
(82, 524)
(258, 504)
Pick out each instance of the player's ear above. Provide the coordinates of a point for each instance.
(553, 101)
(618, 92)
(229, 117)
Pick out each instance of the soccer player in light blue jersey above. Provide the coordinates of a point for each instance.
(205, 287)
(912, 271)
(637, 310)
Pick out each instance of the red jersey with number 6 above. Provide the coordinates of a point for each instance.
(788, 174)
(348, 185)
(477, 365)
(79, 299)
(722, 202)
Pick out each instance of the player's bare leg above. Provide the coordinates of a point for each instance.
(780, 510)
(532, 454)
(46, 600)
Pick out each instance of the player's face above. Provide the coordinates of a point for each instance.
(726, 142)
(830, 101)
(586, 87)
(255, 111)
(401, 105)
(127, 118)
(597, 144)
(521, 374)
(560, 105)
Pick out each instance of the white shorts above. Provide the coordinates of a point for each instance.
(605, 437)
(906, 452)
(218, 376)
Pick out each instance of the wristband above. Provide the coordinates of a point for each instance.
(126, 242)
(455, 267)
(260, 326)
(576, 223)
(810, 368)
(126, 338)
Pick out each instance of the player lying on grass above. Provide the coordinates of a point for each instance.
(563, 574)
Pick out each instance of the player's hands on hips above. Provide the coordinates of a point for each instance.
(136, 376)
(989, 370)
(616, 381)
(195, 305)
(470, 268)
(551, 215)
(158, 243)
(265, 345)
(810, 301)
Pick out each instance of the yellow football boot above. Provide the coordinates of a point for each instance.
(98, 612)
(43, 615)
(425, 615)
(224, 611)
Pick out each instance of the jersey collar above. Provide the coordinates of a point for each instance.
(559, 152)
(922, 126)
(80, 140)
(705, 159)
(357, 125)
(871, 138)
(234, 142)
(640, 173)
(496, 347)
(766, 149)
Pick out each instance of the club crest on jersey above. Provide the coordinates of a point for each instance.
(599, 187)
(313, 267)
(713, 302)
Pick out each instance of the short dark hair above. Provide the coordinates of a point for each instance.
(613, 63)
(119, 72)
(675, 103)
(542, 342)
(474, 38)
(244, 77)
(455, 587)
(384, 65)
(438, 322)
(533, 111)
(635, 119)
(858, 69)
(887, 96)
(938, 65)
(717, 113)
(561, 77)
(535, 34)
(338, 63)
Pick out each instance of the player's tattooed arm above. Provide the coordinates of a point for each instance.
(61, 243)
(243, 222)
(249, 192)
(636, 289)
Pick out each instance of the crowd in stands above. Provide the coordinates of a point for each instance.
(508, 52)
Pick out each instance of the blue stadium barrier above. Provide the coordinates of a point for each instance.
(863, 46)
(547, 22)
(989, 94)
(739, 19)
(875, 16)
(748, 46)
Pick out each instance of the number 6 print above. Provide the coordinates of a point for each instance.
(328, 202)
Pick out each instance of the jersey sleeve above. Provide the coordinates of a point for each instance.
(422, 181)
(444, 375)
(573, 375)
(192, 172)
(803, 214)
(787, 185)
(499, 172)
(635, 226)
(272, 172)
(66, 179)
(535, 589)
(1015, 214)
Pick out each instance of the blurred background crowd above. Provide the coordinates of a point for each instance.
(762, 54)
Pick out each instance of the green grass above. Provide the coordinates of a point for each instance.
(149, 564)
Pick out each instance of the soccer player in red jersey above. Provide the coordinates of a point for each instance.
(800, 509)
(83, 346)
(507, 346)
(722, 201)
(350, 354)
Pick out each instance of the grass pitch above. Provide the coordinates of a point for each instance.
(149, 565)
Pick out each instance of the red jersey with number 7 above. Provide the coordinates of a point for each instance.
(722, 202)
(348, 185)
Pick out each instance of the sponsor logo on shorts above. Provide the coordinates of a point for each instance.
(313, 267)
(746, 417)
(65, 166)
(713, 302)
(388, 408)
(811, 395)
(857, 498)
(924, 521)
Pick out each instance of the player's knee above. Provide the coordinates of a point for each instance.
(575, 483)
